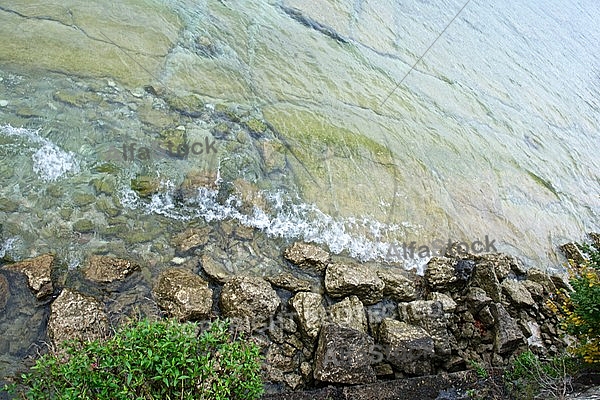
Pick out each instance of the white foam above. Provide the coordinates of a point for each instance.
(7, 246)
(362, 239)
(50, 162)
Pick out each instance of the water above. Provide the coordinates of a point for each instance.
(494, 133)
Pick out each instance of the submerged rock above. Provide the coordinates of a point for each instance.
(344, 355)
(38, 271)
(76, 316)
(104, 269)
(183, 294)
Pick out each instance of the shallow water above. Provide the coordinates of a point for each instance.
(495, 131)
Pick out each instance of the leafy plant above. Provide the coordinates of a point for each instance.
(579, 310)
(150, 360)
(479, 369)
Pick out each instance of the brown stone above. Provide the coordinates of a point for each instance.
(105, 269)
(307, 256)
(38, 271)
(183, 294)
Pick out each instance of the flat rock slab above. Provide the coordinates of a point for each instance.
(38, 272)
(104, 269)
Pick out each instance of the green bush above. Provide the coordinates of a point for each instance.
(149, 360)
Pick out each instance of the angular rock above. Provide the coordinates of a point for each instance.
(517, 293)
(310, 310)
(535, 289)
(289, 282)
(76, 316)
(191, 239)
(4, 292)
(485, 277)
(104, 269)
(572, 252)
(215, 269)
(409, 348)
(307, 256)
(398, 286)
(476, 299)
(183, 294)
(354, 279)
(595, 236)
(445, 274)
(538, 276)
(429, 315)
(249, 298)
(508, 334)
(38, 271)
(504, 264)
(448, 303)
(343, 355)
(350, 313)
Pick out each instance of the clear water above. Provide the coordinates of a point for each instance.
(494, 133)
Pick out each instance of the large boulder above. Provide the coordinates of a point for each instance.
(311, 313)
(349, 312)
(429, 315)
(343, 280)
(445, 274)
(398, 286)
(307, 256)
(508, 334)
(76, 316)
(249, 298)
(183, 294)
(104, 269)
(344, 355)
(38, 271)
(517, 293)
(409, 348)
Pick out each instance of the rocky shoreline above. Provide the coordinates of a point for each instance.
(366, 324)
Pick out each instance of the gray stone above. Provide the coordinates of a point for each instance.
(595, 236)
(289, 282)
(307, 256)
(349, 312)
(508, 334)
(249, 298)
(445, 274)
(517, 293)
(447, 302)
(38, 271)
(106, 269)
(344, 355)
(535, 289)
(485, 277)
(76, 316)
(354, 279)
(538, 276)
(503, 264)
(397, 285)
(409, 348)
(310, 310)
(429, 315)
(183, 294)
(216, 269)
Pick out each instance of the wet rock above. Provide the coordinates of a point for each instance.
(190, 105)
(343, 355)
(307, 256)
(508, 334)
(447, 275)
(398, 286)
(517, 293)
(572, 252)
(249, 298)
(289, 282)
(83, 226)
(350, 313)
(38, 272)
(429, 315)
(76, 316)
(216, 269)
(354, 279)
(485, 277)
(191, 239)
(106, 269)
(310, 310)
(145, 186)
(409, 348)
(535, 275)
(4, 292)
(183, 294)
